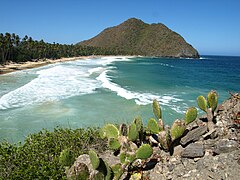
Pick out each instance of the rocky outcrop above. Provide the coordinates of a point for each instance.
(135, 37)
(200, 154)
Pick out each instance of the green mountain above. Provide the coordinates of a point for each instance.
(135, 37)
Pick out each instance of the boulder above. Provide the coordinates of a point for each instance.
(193, 135)
(193, 151)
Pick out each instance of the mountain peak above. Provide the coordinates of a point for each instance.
(134, 37)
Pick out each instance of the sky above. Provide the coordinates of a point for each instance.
(210, 26)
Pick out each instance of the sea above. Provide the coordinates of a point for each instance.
(112, 89)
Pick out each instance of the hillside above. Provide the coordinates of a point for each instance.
(138, 38)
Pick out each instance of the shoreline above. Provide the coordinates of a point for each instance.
(13, 67)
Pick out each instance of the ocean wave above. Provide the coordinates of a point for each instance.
(52, 84)
(139, 98)
(110, 59)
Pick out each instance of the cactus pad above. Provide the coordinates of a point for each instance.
(190, 115)
(111, 131)
(113, 144)
(144, 151)
(153, 126)
(156, 109)
(212, 100)
(132, 132)
(160, 124)
(117, 171)
(164, 139)
(202, 103)
(136, 176)
(177, 129)
(122, 157)
(139, 124)
(95, 161)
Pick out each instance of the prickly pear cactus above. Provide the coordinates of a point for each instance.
(117, 171)
(110, 131)
(132, 132)
(190, 115)
(202, 103)
(95, 161)
(177, 129)
(139, 124)
(144, 151)
(156, 109)
(153, 126)
(113, 144)
(212, 100)
(164, 139)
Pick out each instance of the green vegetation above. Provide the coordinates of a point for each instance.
(46, 154)
(15, 49)
(135, 37)
(135, 148)
(209, 106)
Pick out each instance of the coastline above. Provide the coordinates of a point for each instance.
(12, 67)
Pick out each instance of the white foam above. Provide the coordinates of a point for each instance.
(95, 70)
(52, 84)
(110, 59)
(140, 98)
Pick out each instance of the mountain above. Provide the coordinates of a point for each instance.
(138, 38)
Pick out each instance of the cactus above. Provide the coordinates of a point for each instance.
(139, 124)
(136, 176)
(164, 139)
(130, 157)
(110, 131)
(156, 109)
(177, 129)
(144, 151)
(202, 103)
(113, 144)
(95, 161)
(209, 106)
(66, 157)
(117, 171)
(153, 126)
(190, 115)
(132, 132)
(212, 100)
(98, 175)
(122, 157)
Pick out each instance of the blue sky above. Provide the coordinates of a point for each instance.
(211, 26)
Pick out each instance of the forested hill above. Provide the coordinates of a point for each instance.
(136, 37)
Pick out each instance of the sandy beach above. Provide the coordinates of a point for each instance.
(11, 67)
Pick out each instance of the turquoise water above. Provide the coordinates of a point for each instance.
(110, 89)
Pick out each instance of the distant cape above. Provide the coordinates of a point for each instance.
(138, 38)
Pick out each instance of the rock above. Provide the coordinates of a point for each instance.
(82, 163)
(193, 151)
(193, 135)
(212, 134)
(225, 146)
(177, 150)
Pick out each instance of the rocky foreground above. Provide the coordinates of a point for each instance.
(200, 154)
